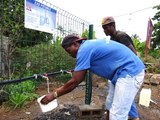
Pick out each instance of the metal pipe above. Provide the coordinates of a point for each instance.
(35, 76)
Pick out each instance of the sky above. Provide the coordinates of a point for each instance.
(131, 16)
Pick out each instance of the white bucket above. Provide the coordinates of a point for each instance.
(48, 107)
(145, 97)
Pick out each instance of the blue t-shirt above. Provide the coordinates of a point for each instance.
(108, 59)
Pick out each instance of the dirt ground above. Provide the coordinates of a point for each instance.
(68, 105)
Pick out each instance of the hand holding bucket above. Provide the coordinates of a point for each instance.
(49, 106)
(47, 102)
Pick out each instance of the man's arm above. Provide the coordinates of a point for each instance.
(77, 78)
(126, 40)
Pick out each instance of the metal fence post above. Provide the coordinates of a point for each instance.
(88, 95)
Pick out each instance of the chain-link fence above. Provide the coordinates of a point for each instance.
(25, 51)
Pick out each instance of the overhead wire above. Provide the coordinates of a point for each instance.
(129, 13)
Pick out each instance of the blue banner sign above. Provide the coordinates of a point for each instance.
(39, 16)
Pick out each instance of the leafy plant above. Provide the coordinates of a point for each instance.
(18, 99)
(21, 93)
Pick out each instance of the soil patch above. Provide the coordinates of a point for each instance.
(68, 105)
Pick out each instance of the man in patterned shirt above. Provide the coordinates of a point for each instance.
(109, 27)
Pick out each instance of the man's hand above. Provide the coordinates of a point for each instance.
(48, 98)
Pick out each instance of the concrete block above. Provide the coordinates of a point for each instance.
(90, 111)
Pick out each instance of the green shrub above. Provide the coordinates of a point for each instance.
(42, 58)
(21, 93)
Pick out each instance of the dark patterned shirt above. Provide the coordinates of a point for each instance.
(122, 38)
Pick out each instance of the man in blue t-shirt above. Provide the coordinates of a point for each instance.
(125, 70)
